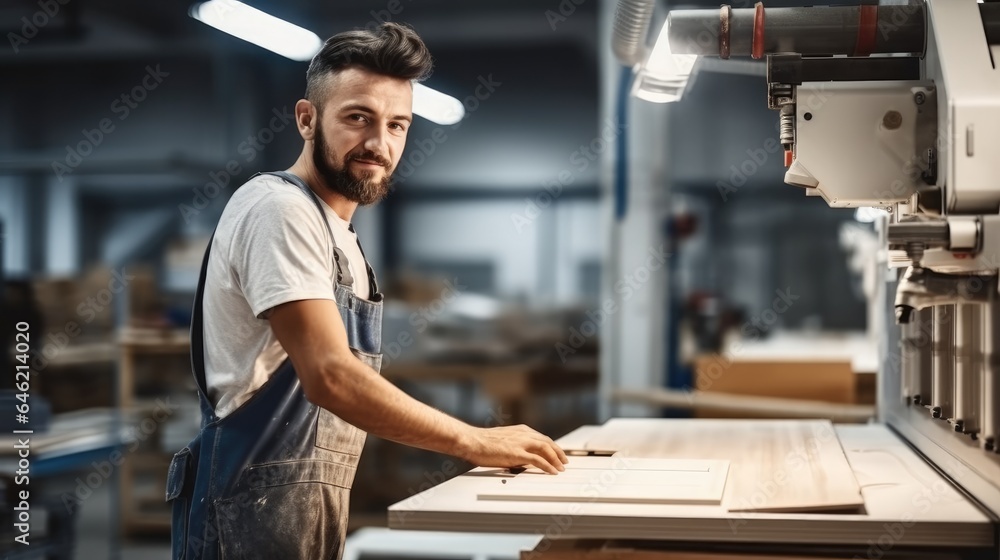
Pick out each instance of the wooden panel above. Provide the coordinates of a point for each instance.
(617, 480)
(776, 465)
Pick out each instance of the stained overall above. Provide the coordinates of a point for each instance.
(272, 479)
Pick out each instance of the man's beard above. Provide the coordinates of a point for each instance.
(364, 190)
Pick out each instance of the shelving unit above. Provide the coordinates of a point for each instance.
(144, 471)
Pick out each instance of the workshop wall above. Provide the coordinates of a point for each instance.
(542, 260)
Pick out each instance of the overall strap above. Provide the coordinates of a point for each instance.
(198, 327)
(372, 281)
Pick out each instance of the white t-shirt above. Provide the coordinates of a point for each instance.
(271, 247)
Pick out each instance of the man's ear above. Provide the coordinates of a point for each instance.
(306, 118)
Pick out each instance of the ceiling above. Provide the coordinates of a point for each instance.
(101, 28)
(106, 28)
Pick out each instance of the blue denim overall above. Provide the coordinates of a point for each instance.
(272, 479)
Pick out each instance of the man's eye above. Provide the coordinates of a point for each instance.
(358, 117)
(397, 126)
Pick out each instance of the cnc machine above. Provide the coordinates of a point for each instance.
(902, 115)
(898, 108)
(894, 107)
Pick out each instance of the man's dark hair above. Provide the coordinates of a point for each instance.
(392, 49)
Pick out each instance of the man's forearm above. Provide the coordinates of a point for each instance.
(356, 393)
(338, 381)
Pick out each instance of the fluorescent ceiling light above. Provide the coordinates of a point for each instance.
(437, 107)
(257, 27)
(664, 76)
(291, 41)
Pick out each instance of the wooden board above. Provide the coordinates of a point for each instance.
(776, 465)
(895, 482)
(617, 480)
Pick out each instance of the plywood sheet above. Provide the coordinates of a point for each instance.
(617, 480)
(776, 465)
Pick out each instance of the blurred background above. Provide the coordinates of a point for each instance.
(564, 254)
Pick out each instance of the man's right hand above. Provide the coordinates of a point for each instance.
(512, 446)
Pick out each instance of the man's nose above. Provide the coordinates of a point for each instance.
(377, 142)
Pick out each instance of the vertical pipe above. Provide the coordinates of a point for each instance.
(621, 145)
(908, 360)
(968, 393)
(62, 228)
(991, 375)
(924, 361)
(943, 362)
(916, 361)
